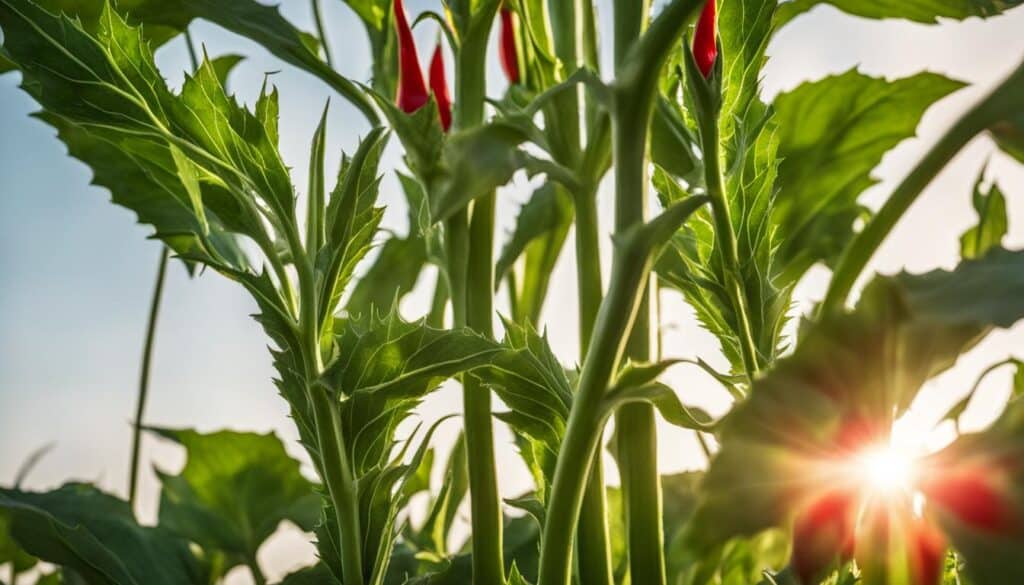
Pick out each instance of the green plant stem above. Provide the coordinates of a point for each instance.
(478, 291)
(583, 431)
(635, 425)
(147, 359)
(725, 236)
(435, 318)
(635, 428)
(318, 18)
(1003, 101)
(147, 348)
(337, 476)
(593, 554)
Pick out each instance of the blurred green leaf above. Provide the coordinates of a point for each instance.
(924, 11)
(864, 367)
(233, 492)
(318, 574)
(1009, 135)
(832, 134)
(10, 551)
(992, 222)
(96, 535)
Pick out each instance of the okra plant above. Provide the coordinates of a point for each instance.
(719, 196)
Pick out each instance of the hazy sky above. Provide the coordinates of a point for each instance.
(77, 272)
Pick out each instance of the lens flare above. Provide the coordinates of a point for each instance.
(887, 469)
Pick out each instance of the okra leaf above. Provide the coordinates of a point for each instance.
(924, 11)
(95, 534)
(860, 368)
(992, 222)
(233, 492)
(832, 134)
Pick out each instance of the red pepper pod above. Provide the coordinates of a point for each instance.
(507, 46)
(412, 91)
(824, 533)
(705, 45)
(439, 86)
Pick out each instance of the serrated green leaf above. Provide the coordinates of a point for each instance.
(992, 222)
(832, 134)
(96, 535)
(233, 492)
(924, 11)
(224, 65)
(865, 366)
(748, 139)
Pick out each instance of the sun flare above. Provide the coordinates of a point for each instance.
(887, 469)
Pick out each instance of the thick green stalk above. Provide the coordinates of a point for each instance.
(1003, 101)
(478, 283)
(583, 431)
(147, 358)
(594, 562)
(635, 426)
(636, 435)
(337, 476)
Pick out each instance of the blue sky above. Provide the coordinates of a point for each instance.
(77, 271)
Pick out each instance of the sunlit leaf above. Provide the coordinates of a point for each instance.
(992, 222)
(924, 11)
(233, 492)
(832, 134)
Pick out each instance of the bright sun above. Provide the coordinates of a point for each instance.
(888, 469)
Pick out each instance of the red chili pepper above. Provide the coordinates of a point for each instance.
(705, 47)
(824, 533)
(412, 91)
(439, 85)
(507, 45)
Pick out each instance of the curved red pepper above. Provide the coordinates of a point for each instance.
(507, 46)
(823, 533)
(412, 91)
(439, 85)
(705, 46)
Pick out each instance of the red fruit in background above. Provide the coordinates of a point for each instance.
(973, 497)
(705, 47)
(412, 91)
(507, 46)
(439, 85)
(824, 533)
(927, 550)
